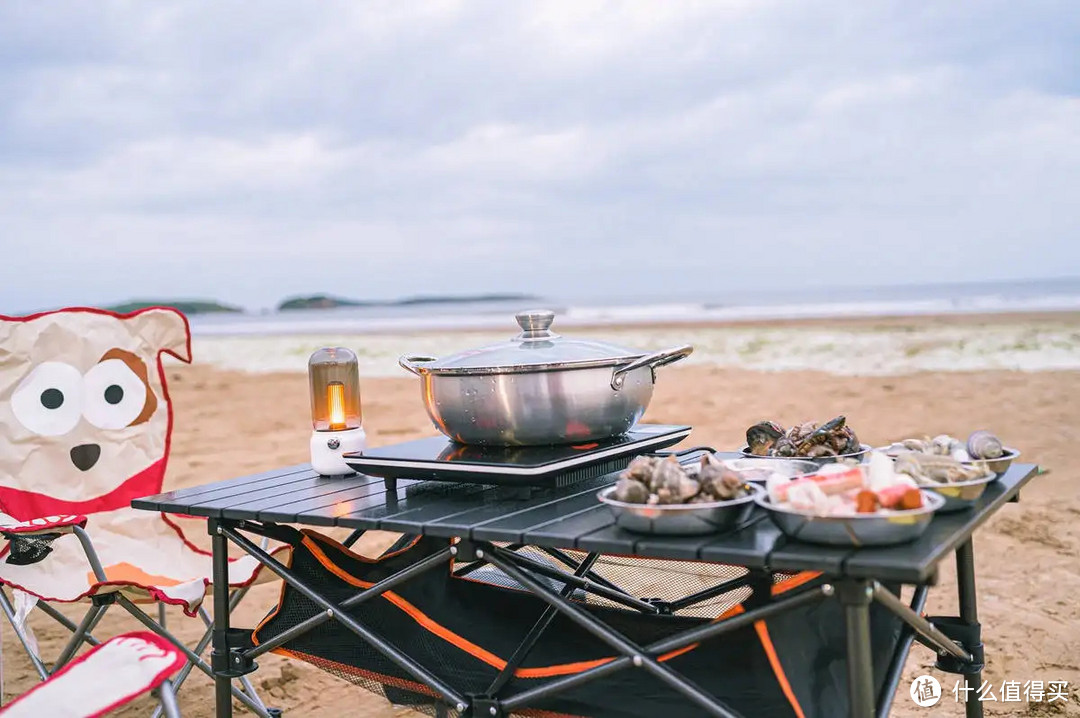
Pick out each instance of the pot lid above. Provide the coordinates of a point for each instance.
(535, 348)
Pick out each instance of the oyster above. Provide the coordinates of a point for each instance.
(984, 445)
(980, 445)
(937, 469)
(761, 436)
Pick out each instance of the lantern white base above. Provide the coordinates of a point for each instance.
(328, 446)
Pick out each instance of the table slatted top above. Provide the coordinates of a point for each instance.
(567, 517)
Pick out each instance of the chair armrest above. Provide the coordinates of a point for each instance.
(45, 525)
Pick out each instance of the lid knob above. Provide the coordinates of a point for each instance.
(535, 323)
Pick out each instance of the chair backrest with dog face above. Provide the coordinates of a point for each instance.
(85, 418)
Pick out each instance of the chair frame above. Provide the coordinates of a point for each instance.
(100, 604)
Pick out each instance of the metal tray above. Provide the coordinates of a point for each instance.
(682, 519)
(960, 495)
(856, 530)
(790, 468)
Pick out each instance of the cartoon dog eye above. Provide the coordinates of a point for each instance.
(49, 400)
(114, 395)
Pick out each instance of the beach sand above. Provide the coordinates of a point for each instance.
(230, 423)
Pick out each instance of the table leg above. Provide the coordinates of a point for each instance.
(222, 684)
(969, 614)
(855, 596)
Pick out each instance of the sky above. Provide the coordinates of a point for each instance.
(250, 151)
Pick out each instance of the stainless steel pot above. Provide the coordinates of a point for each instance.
(538, 388)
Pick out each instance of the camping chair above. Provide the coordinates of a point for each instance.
(109, 675)
(85, 424)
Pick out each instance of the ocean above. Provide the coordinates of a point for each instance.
(273, 342)
(1044, 295)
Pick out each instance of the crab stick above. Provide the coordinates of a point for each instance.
(836, 482)
(899, 497)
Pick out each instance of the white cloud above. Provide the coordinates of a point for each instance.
(218, 149)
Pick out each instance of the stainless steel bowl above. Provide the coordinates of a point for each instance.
(960, 495)
(538, 388)
(855, 530)
(1001, 464)
(682, 519)
(759, 468)
(860, 456)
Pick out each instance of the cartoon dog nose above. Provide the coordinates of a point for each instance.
(84, 456)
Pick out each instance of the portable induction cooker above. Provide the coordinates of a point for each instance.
(440, 459)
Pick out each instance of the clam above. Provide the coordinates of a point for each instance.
(938, 469)
(984, 445)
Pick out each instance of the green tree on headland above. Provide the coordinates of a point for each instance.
(185, 306)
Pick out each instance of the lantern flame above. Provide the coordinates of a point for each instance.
(335, 400)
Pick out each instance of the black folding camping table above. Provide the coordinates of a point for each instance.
(489, 523)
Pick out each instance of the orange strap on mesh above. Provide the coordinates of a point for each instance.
(778, 670)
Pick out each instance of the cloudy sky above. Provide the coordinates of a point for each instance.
(246, 151)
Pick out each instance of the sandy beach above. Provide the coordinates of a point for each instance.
(1027, 556)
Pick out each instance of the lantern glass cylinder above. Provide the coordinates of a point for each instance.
(334, 376)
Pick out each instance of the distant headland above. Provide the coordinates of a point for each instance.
(185, 306)
(313, 301)
(324, 301)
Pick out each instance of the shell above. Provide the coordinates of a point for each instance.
(761, 437)
(671, 484)
(631, 491)
(783, 447)
(808, 439)
(960, 454)
(934, 469)
(641, 468)
(718, 482)
(941, 444)
(984, 445)
(818, 451)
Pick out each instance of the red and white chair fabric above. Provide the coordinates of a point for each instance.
(104, 678)
(85, 427)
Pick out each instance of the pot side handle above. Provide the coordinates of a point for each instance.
(654, 360)
(410, 362)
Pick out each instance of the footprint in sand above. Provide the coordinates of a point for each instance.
(1032, 529)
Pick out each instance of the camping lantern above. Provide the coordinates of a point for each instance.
(334, 379)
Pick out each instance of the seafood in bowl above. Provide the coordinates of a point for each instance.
(981, 447)
(829, 441)
(960, 484)
(930, 469)
(843, 505)
(839, 489)
(654, 480)
(661, 496)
